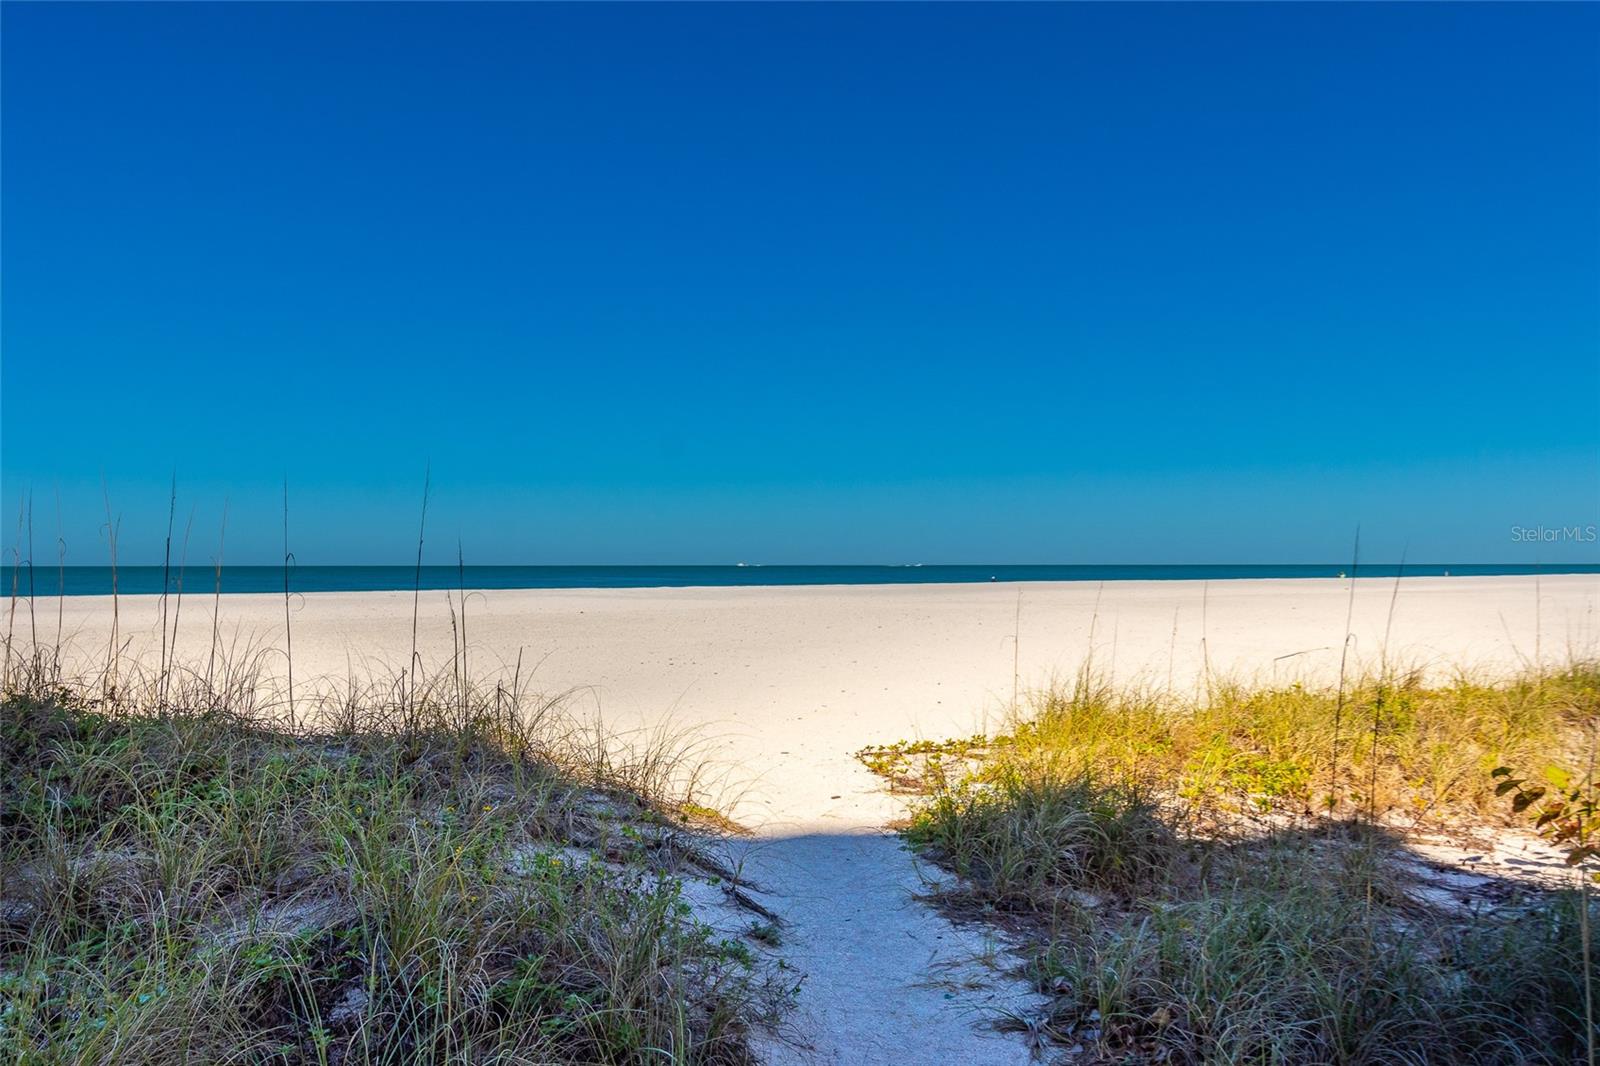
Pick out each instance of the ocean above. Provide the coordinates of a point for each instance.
(47, 581)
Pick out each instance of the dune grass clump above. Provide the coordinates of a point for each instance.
(1022, 837)
(1226, 880)
(1288, 953)
(1393, 748)
(1307, 948)
(434, 876)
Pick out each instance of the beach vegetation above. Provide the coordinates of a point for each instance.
(1230, 878)
(427, 871)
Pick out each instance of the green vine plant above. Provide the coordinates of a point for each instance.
(1567, 815)
(1564, 812)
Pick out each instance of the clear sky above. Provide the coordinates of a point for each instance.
(805, 283)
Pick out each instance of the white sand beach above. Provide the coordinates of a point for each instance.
(789, 681)
(786, 683)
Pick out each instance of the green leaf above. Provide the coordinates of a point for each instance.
(1507, 786)
(1500, 771)
(1557, 777)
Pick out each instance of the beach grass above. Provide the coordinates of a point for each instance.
(435, 873)
(1226, 879)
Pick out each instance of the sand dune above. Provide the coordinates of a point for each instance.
(788, 682)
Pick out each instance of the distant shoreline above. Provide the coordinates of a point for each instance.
(197, 579)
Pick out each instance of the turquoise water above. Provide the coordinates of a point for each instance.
(135, 580)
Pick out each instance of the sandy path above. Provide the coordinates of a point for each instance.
(790, 681)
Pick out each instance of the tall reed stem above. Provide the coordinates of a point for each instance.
(61, 587)
(288, 628)
(112, 528)
(216, 598)
(1588, 966)
(16, 568)
(166, 583)
(1344, 658)
(1377, 702)
(177, 609)
(1016, 652)
(461, 581)
(1584, 877)
(33, 623)
(416, 592)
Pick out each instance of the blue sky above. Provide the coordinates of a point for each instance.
(806, 283)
